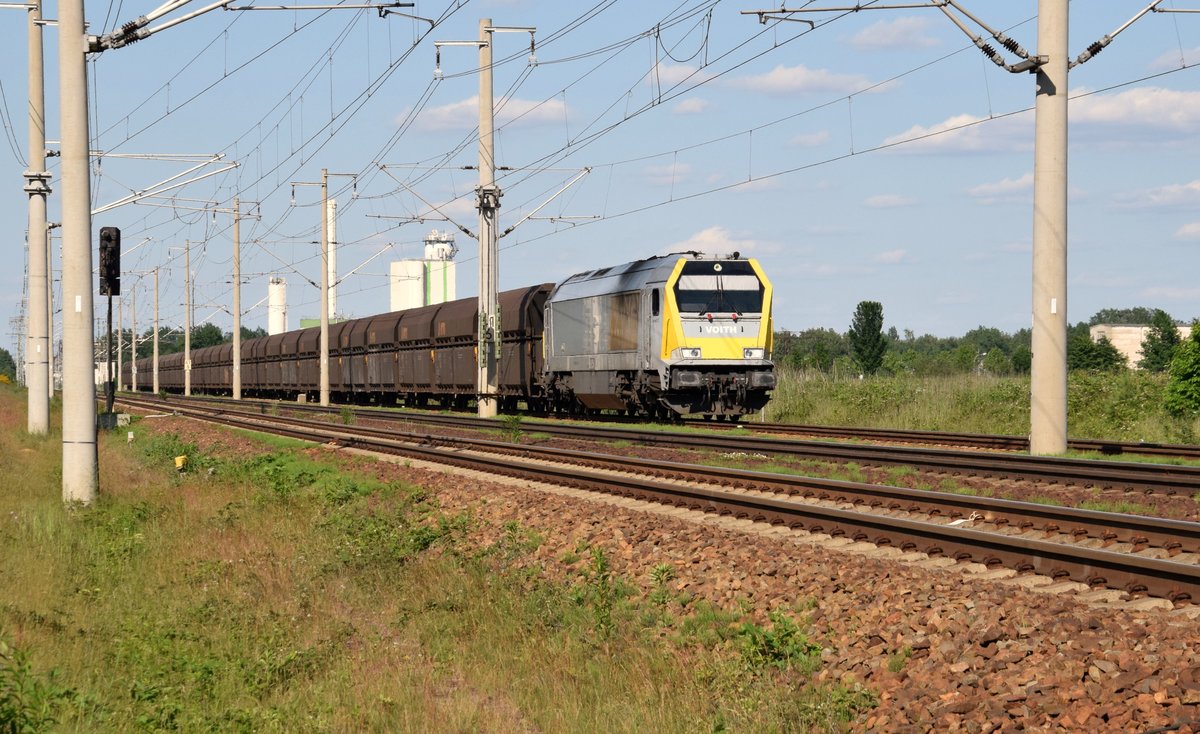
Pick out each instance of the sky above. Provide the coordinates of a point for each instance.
(874, 156)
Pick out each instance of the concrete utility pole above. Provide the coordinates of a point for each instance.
(38, 367)
(155, 379)
(489, 329)
(237, 299)
(489, 211)
(187, 317)
(324, 286)
(79, 467)
(1048, 386)
(331, 217)
(120, 342)
(325, 274)
(80, 477)
(49, 316)
(133, 337)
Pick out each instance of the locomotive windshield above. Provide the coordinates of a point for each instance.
(705, 286)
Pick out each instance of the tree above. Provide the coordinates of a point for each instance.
(1183, 384)
(996, 362)
(8, 367)
(816, 349)
(207, 335)
(1098, 356)
(1022, 359)
(867, 342)
(1160, 343)
(1126, 316)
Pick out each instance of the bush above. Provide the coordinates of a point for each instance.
(1183, 386)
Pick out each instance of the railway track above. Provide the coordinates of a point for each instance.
(860, 512)
(1164, 479)
(974, 440)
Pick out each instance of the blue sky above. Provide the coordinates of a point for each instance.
(877, 156)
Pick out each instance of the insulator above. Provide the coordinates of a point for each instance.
(1011, 45)
(988, 51)
(1095, 48)
(129, 33)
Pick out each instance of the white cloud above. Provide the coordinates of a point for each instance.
(794, 79)
(1172, 293)
(1144, 112)
(668, 75)
(891, 257)
(1007, 189)
(1171, 195)
(901, 33)
(888, 201)
(967, 134)
(715, 240)
(1189, 231)
(464, 115)
(809, 140)
(690, 106)
(1171, 59)
(667, 174)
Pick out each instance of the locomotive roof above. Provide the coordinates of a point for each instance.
(624, 278)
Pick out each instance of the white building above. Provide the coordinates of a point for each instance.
(416, 283)
(1128, 338)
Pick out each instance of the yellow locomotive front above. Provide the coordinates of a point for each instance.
(716, 337)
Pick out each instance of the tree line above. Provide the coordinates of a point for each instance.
(171, 341)
(867, 349)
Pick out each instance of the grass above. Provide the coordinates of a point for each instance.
(279, 592)
(1121, 407)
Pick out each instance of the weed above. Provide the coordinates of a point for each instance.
(510, 428)
(516, 541)
(783, 645)
(661, 575)
(603, 593)
(27, 703)
(897, 660)
(348, 416)
(1044, 500)
(1127, 508)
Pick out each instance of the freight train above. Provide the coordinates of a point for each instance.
(665, 336)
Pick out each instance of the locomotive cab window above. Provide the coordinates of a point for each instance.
(708, 287)
(654, 302)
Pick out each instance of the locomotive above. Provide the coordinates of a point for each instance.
(668, 335)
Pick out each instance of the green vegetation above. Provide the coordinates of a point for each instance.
(8, 368)
(1158, 348)
(171, 341)
(294, 589)
(510, 428)
(1182, 399)
(867, 342)
(1123, 406)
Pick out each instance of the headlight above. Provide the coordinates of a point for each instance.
(690, 353)
(753, 353)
